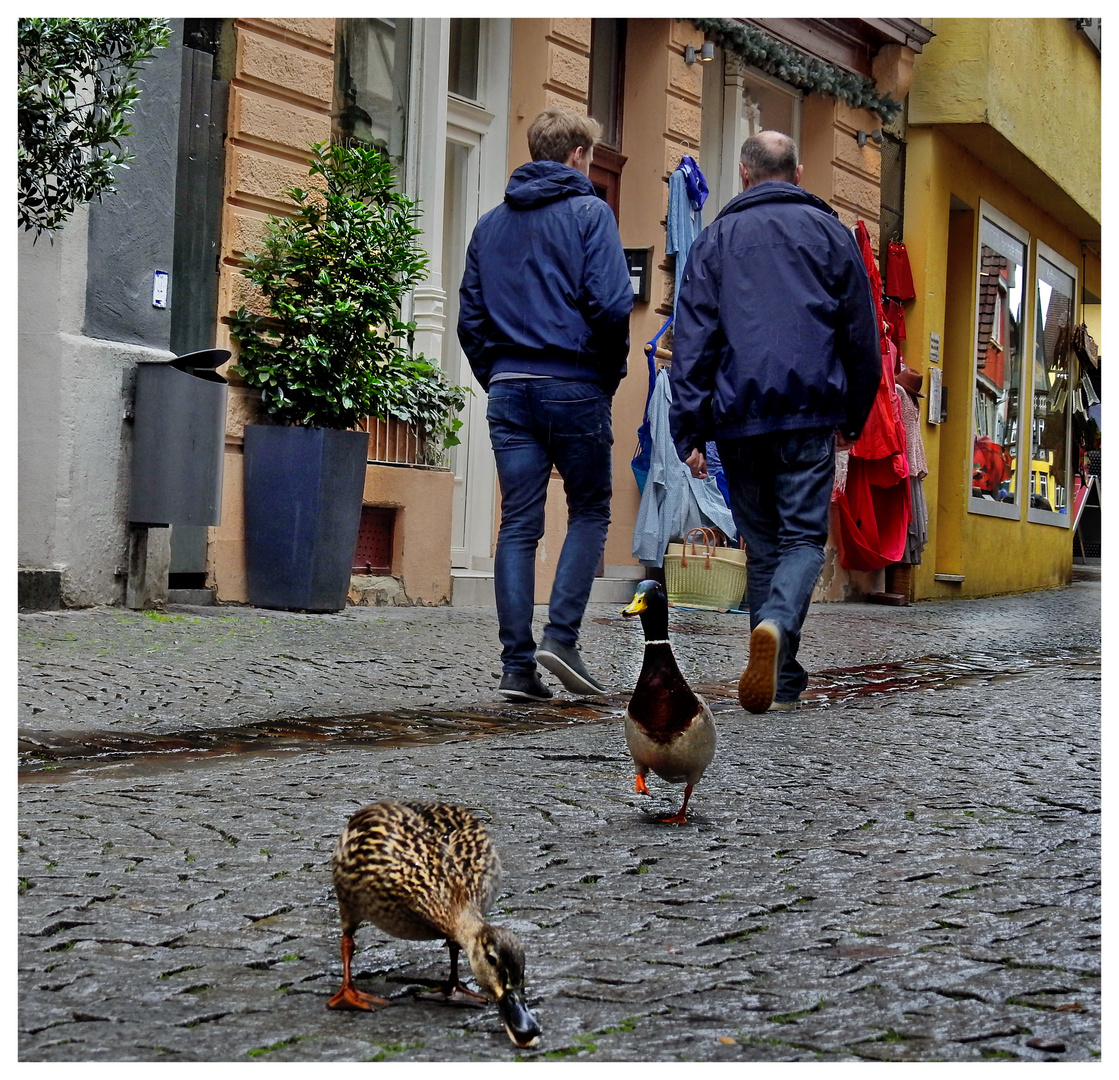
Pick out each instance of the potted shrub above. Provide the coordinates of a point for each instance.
(331, 351)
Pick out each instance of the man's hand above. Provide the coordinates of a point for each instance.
(697, 462)
(842, 443)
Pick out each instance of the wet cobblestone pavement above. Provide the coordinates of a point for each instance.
(905, 869)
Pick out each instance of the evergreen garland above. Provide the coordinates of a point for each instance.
(790, 65)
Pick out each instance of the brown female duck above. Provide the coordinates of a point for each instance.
(429, 870)
(669, 728)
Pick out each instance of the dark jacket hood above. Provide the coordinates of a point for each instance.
(541, 182)
(773, 191)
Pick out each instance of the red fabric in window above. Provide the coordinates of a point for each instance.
(991, 465)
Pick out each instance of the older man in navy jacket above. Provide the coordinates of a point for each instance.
(544, 321)
(777, 358)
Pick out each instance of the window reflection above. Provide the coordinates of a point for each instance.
(1049, 435)
(998, 364)
(769, 105)
(371, 83)
(608, 42)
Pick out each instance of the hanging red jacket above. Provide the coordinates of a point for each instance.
(862, 238)
(899, 274)
(874, 508)
(871, 521)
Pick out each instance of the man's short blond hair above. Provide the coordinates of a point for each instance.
(555, 133)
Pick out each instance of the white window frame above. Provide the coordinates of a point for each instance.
(724, 129)
(481, 125)
(1044, 251)
(977, 505)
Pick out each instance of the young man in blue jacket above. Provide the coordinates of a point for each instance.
(777, 358)
(544, 321)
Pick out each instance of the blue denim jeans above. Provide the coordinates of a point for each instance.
(780, 488)
(535, 424)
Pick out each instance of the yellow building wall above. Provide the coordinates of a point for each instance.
(421, 547)
(1028, 84)
(661, 121)
(280, 99)
(279, 102)
(994, 555)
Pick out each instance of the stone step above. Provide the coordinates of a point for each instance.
(193, 597)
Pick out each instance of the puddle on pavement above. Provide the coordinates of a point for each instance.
(53, 756)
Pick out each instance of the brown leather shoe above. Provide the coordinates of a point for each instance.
(759, 681)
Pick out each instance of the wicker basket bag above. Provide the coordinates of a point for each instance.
(701, 573)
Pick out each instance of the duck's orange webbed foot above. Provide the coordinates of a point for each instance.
(681, 817)
(639, 785)
(349, 997)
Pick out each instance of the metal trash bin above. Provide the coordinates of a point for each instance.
(178, 440)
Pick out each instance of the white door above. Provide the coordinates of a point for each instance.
(474, 181)
(471, 460)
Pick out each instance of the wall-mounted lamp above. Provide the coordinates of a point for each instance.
(874, 136)
(705, 55)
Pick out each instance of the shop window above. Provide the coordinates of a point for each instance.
(1000, 342)
(1053, 387)
(371, 83)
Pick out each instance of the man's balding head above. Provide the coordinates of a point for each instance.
(769, 155)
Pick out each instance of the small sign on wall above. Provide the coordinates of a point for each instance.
(638, 260)
(934, 348)
(936, 397)
(159, 288)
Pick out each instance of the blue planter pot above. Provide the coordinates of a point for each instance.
(303, 492)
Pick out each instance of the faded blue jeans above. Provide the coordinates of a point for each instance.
(780, 490)
(535, 424)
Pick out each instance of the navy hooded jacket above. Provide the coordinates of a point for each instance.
(775, 325)
(546, 290)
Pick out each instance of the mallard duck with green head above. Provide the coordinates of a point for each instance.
(669, 728)
(422, 871)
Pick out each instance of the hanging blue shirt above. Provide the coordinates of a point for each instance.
(682, 225)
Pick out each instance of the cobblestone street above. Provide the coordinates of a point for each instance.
(905, 869)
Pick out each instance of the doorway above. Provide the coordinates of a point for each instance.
(474, 181)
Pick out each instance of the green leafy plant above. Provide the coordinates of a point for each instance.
(421, 395)
(333, 348)
(77, 86)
